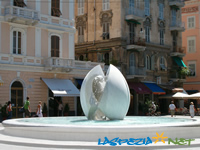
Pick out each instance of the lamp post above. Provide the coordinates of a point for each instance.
(1, 81)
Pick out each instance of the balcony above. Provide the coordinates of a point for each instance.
(178, 51)
(66, 65)
(177, 26)
(57, 21)
(176, 77)
(81, 39)
(21, 15)
(20, 60)
(52, 63)
(178, 3)
(135, 72)
(136, 44)
(135, 14)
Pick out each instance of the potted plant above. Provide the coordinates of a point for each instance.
(66, 109)
(44, 110)
(184, 72)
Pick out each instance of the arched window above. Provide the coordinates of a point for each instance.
(55, 46)
(16, 99)
(148, 62)
(17, 42)
(106, 57)
(132, 63)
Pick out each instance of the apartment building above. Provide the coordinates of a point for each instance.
(143, 38)
(37, 53)
(190, 15)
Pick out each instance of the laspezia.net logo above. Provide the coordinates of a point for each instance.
(144, 141)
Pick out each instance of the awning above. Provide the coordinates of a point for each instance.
(62, 87)
(133, 21)
(179, 61)
(192, 91)
(166, 86)
(155, 88)
(168, 96)
(139, 88)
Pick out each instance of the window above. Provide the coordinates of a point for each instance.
(191, 22)
(162, 63)
(191, 41)
(147, 34)
(55, 46)
(80, 7)
(173, 17)
(131, 3)
(147, 8)
(106, 57)
(192, 68)
(106, 4)
(100, 57)
(19, 3)
(148, 62)
(17, 42)
(81, 58)
(80, 34)
(55, 8)
(137, 3)
(105, 34)
(131, 32)
(174, 40)
(161, 11)
(132, 63)
(161, 37)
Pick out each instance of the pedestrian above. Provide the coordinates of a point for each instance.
(9, 110)
(192, 109)
(60, 107)
(39, 110)
(172, 108)
(27, 108)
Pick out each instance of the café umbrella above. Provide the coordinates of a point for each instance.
(180, 95)
(195, 96)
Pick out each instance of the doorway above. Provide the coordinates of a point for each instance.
(17, 99)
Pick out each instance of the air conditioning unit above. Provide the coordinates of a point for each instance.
(158, 80)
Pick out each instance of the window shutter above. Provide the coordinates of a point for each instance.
(152, 63)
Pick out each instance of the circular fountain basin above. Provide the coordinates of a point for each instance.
(81, 129)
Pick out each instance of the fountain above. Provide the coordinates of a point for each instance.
(105, 102)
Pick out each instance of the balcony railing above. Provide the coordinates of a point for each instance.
(49, 63)
(179, 3)
(178, 25)
(51, 20)
(137, 41)
(134, 13)
(22, 12)
(20, 60)
(178, 51)
(55, 62)
(137, 71)
(80, 38)
(176, 75)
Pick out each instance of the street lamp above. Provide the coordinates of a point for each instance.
(1, 81)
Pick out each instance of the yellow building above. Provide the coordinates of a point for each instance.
(37, 51)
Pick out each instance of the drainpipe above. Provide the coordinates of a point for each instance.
(94, 20)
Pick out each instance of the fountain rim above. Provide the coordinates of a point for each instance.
(16, 123)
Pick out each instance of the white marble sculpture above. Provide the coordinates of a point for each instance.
(105, 97)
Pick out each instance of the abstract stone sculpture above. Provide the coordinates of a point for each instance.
(105, 97)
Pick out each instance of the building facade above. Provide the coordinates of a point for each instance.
(190, 15)
(37, 43)
(141, 37)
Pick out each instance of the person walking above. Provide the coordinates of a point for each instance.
(27, 108)
(192, 109)
(39, 110)
(9, 110)
(172, 108)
